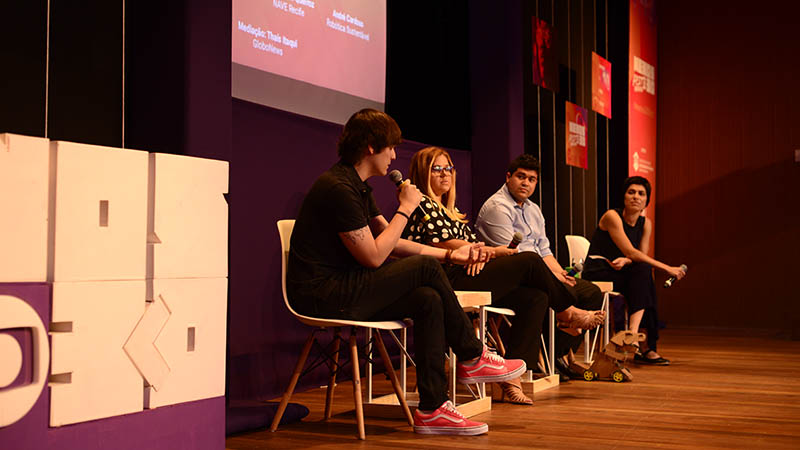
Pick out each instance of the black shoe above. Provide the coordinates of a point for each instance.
(563, 368)
(643, 359)
(562, 376)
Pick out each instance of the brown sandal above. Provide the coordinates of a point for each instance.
(510, 393)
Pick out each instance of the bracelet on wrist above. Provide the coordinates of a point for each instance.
(403, 214)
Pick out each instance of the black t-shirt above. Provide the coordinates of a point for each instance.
(339, 201)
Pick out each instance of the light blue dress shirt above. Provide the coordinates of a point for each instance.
(500, 217)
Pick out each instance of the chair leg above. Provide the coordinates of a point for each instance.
(495, 331)
(298, 369)
(398, 390)
(332, 382)
(357, 385)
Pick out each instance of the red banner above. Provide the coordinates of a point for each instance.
(642, 60)
(601, 85)
(576, 136)
(545, 64)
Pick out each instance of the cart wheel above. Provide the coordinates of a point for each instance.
(588, 375)
(618, 376)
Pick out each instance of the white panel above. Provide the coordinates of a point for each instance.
(24, 175)
(197, 366)
(188, 226)
(17, 401)
(97, 185)
(141, 348)
(92, 377)
(11, 355)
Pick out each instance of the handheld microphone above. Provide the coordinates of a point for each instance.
(577, 266)
(671, 280)
(515, 240)
(397, 179)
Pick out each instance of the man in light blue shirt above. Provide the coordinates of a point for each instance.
(508, 211)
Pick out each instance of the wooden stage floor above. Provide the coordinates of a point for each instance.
(723, 390)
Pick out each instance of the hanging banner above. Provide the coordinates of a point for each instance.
(577, 153)
(601, 85)
(545, 65)
(642, 58)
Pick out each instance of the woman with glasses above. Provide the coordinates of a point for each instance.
(339, 268)
(516, 280)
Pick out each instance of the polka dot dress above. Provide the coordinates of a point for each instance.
(438, 228)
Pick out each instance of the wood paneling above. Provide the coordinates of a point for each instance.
(727, 101)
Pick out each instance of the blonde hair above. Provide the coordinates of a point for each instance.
(420, 175)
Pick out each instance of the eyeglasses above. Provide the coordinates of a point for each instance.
(437, 169)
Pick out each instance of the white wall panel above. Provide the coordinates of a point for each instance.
(192, 340)
(100, 213)
(91, 375)
(188, 225)
(24, 175)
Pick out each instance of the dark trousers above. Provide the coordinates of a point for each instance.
(635, 283)
(415, 287)
(524, 283)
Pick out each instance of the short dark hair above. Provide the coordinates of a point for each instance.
(637, 180)
(524, 161)
(367, 128)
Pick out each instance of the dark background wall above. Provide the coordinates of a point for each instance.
(459, 78)
(727, 107)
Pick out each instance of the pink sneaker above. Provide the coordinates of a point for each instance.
(489, 368)
(447, 420)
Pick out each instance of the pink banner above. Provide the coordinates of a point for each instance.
(601, 85)
(577, 135)
(642, 97)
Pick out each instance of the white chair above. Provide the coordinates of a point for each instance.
(285, 228)
(578, 247)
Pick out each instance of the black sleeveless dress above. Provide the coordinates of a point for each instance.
(634, 281)
(603, 245)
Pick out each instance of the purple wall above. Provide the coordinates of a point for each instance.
(274, 157)
(497, 98)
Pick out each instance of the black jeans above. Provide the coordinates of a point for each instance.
(635, 283)
(524, 283)
(415, 287)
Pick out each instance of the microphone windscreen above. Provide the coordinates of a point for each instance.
(685, 268)
(396, 177)
(578, 265)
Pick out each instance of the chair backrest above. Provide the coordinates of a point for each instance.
(285, 228)
(578, 247)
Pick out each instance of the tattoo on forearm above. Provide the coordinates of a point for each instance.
(355, 235)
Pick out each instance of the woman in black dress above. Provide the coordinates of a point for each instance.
(618, 253)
